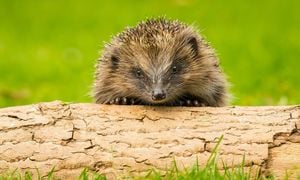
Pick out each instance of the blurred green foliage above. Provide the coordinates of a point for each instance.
(48, 49)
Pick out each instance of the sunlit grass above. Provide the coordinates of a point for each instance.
(211, 171)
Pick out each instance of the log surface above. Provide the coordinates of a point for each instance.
(116, 140)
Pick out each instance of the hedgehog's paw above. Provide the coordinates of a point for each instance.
(191, 102)
(198, 103)
(187, 102)
(118, 101)
(123, 101)
(115, 101)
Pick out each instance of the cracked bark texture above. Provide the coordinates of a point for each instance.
(117, 140)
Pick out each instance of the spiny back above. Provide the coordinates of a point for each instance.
(147, 31)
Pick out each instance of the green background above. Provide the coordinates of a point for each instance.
(48, 48)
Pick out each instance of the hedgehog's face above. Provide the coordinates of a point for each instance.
(157, 74)
(159, 84)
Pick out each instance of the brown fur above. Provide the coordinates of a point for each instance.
(144, 55)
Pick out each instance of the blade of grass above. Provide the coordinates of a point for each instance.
(50, 175)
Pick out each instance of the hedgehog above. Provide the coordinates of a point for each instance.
(160, 62)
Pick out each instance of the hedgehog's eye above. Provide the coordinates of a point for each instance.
(138, 73)
(174, 69)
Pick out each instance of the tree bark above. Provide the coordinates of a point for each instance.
(117, 140)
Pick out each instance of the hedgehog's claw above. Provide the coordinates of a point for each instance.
(132, 101)
(112, 101)
(195, 103)
(117, 100)
(124, 101)
(181, 103)
(188, 102)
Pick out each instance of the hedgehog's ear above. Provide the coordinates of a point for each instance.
(114, 61)
(193, 43)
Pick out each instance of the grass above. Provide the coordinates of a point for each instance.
(210, 171)
(48, 49)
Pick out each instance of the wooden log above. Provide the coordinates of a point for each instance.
(117, 140)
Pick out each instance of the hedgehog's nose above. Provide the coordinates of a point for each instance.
(158, 94)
